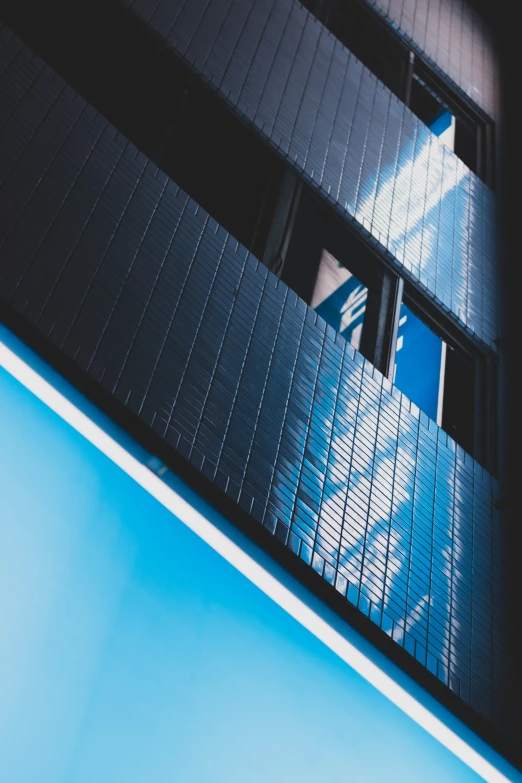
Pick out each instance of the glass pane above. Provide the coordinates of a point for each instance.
(444, 128)
(419, 363)
(459, 398)
(433, 112)
(340, 298)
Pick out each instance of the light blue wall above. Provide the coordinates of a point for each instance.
(131, 651)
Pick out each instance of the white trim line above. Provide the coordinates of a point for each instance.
(442, 376)
(244, 563)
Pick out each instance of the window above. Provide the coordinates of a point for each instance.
(459, 127)
(433, 111)
(420, 359)
(464, 129)
(223, 166)
(393, 325)
(340, 298)
(438, 375)
(341, 277)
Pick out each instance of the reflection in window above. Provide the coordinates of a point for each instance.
(384, 52)
(419, 364)
(433, 112)
(440, 379)
(458, 416)
(340, 298)
(458, 129)
(444, 127)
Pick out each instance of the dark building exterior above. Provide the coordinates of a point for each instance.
(220, 220)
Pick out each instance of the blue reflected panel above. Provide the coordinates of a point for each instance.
(418, 362)
(441, 123)
(340, 299)
(132, 651)
(444, 127)
(428, 106)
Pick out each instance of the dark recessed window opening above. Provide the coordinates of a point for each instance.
(428, 358)
(366, 37)
(338, 275)
(437, 375)
(466, 134)
(433, 112)
(460, 398)
(222, 165)
(362, 32)
(174, 119)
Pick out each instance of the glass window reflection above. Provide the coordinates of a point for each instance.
(340, 298)
(433, 112)
(419, 363)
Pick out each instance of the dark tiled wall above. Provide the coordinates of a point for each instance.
(116, 266)
(452, 34)
(355, 141)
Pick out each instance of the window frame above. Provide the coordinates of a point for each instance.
(483, 165)
(413, 65)
(485, 371)
(316, 227)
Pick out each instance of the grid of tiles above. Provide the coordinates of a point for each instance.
(454, 37)
(352, 139)
(152, 298)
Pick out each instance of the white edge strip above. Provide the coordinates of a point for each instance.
(442, 376)
(244, 563)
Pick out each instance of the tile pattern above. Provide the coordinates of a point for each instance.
(378, 164)
(114, 264)
(454, 38)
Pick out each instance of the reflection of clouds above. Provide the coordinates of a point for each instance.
(380, 509)
(417, 614)
(409, 201)
(462, 565)
(373, 551)
(371, 526)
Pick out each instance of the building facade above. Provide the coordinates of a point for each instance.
(261, 237)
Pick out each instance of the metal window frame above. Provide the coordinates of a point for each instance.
(318, 228)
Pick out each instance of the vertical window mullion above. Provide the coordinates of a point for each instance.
(279, 232)
(490, 406)
(478, 423)
(408, 78)
(481, 169)
(442, 376)
(392, 319)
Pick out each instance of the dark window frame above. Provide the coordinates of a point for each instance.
(465, 115)
(402, 68)
(316, 227)
(484, 363)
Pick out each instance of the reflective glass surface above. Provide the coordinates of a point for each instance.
(354, 141)
(444, 128)
(340, 298)
(419, 362)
